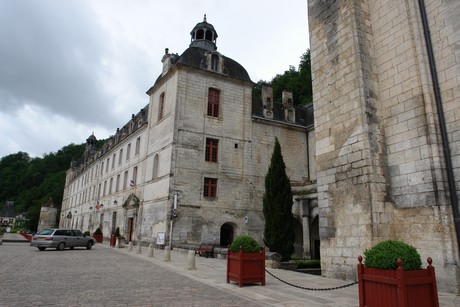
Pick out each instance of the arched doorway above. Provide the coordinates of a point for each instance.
(226, 234)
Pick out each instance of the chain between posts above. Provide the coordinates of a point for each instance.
(312, 289)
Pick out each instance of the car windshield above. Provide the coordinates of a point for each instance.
(45, 232)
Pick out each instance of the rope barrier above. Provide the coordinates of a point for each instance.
(312, 289)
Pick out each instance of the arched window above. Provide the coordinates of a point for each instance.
(200, 34)
(209, 35)
(155, 167)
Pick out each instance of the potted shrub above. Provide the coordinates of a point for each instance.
(113, 239)
(392, 275)
(245, 261)
(87, 233)
(119, 238)
(98, 235)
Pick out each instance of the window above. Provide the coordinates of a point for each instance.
(107, 166)
(155, 167)
(215, 62)
(125, 180)
(117, 184)
(99, 191)
(120, 156)
(105, 188)
(213, 102)
(212, 146)
(134, 180)
(128, 150)
(110, 185)
(113, 161)
(102, 167)
(161, 106)
(210, 187)
(138, 146)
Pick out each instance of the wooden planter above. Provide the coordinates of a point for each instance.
(400, 288)
(246, 268)
(98, 238)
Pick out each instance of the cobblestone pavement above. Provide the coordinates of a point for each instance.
(98, 277)
(108, 276)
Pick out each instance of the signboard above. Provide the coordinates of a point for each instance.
(160, 238)
(7, 221)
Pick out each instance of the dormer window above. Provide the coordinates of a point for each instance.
(215, 62)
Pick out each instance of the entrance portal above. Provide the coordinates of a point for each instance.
(226, 234)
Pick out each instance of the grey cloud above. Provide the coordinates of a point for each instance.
(51, 56)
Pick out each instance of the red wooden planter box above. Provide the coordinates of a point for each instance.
(397, 288)
(98, 238)
(246, 268)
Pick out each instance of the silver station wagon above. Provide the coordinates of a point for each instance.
(61, 238)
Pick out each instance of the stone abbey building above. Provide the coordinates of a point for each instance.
(381, 162)
(189, 168)
(387, 128)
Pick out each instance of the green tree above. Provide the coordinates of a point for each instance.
(277, 207)
(299, 82)
(30, 182)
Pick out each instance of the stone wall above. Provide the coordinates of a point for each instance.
(378, 149)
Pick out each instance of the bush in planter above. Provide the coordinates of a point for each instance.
(98, 232)
(247, 266)
(117, 232)
(383, 279)
(385, 254)
(248, 244)
(87, 233)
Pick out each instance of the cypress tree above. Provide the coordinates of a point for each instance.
(277, 207)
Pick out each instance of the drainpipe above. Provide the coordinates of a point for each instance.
(442, 122)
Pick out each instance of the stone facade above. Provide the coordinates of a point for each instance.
(199, 170)
(381, 166)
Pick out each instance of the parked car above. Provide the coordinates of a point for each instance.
(61, 238)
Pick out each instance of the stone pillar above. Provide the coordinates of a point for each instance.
(191, 260)
(151, 250)
(167, 254)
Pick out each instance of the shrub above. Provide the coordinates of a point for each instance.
(98, 231)
(87, 233)
(308, 263)
(248, 243)
(117, 232)
(385, 254)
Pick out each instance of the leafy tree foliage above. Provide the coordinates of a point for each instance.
(277, 207)
(299, 82)
(30, 182)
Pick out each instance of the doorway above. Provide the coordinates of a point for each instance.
(226, 234)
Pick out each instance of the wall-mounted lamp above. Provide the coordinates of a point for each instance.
(75, 211)
(115, 202)
(102, 205)
(90, 208)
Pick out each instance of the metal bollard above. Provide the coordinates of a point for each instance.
(167, 254)
(191, 260)
(130, 246)
(151, 250)
(139, 248)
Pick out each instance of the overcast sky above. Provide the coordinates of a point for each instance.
(68, 68)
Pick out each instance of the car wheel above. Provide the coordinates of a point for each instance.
(89, 245)
(41, 248)
(60, 246)
(71, 247)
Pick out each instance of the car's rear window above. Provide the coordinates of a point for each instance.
(45, 232)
